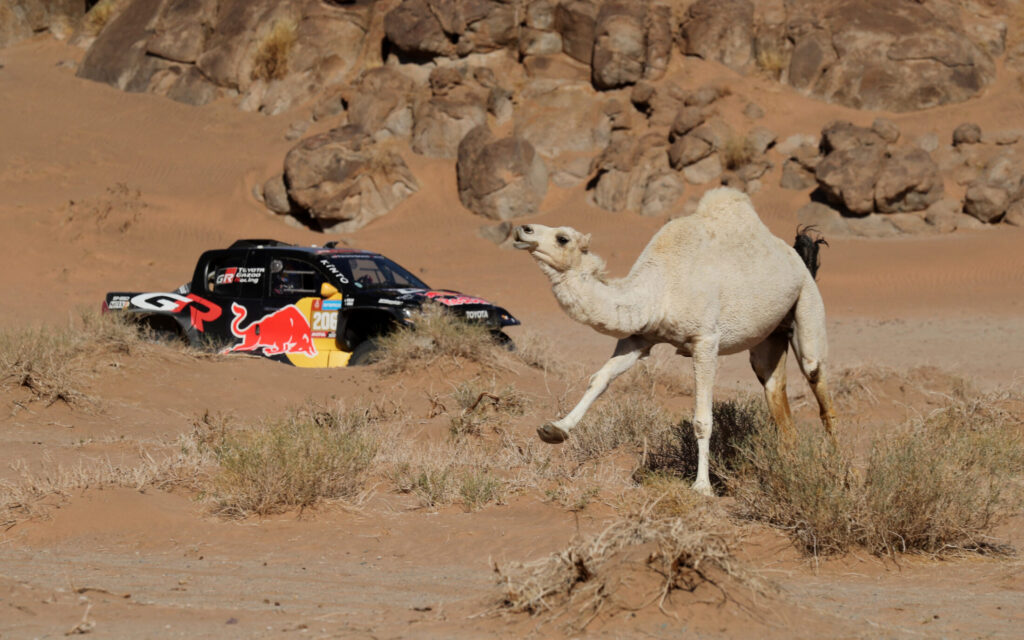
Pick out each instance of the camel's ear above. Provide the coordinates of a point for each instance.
(585, 244)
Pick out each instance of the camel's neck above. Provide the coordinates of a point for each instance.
(617, 307)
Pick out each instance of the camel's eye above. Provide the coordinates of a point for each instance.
(562, 240)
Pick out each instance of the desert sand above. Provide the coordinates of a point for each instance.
(104, 190)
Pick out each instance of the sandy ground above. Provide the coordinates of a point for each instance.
(157, 564)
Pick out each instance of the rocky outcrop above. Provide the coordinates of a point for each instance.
(430, 28)
(720, 30)
(342, 179)
(21, 19)
(500, 179)
(634, 174)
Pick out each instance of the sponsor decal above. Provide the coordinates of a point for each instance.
(241, 275)
(118, 302)
(397, 303)
(349, 302)
(452, 299)
(200, 309)
(477, 315)
(335, 271)
(324, 318)
(283, 331)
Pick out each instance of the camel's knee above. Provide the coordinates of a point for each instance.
(701, 429)
(811, 368)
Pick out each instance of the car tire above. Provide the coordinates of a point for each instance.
(364, 353)
(502, 340)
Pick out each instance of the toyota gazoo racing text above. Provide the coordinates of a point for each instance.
(307, 306)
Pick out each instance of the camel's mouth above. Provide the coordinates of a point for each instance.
(523, 241)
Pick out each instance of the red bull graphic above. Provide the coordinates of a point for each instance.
(283, 331)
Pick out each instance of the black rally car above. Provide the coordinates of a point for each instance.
(307, 306)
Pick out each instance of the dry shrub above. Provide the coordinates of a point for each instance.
(271, 61)
(771, 58)
(101, 14)
(631, 418)
(482, 404)
(938, 485)
(479, 487)
(311, 454)
(435, 335)
(443, 474)
(540, 352)
(670, 495)
(54, 363)
(737, 152)
(586, 577)
(733, 421)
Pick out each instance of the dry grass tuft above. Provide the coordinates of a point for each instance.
(938, 485)
(53, 364)
(771, 59)
(482, 404)
(737, 152)
(271, 61)
(446, 473)
(436, 335)
(631, 418)
(733, 422)
(662, 554)
(313, 453)
(101, 14)
(540, 352)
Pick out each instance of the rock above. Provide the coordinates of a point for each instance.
(381, 104)
(559, 117)
(556, 67)
(887, 130)
(760, 139)
(794, 142)
(929, 142)
(1015, 214)
(620, 46)
(872, 226)
(275, 195)
(753, 111)
(986, 202)
(343, 180)
(687, 119)
(634, 174)
(192, 88)
(911, 223)
(688, 150)
(944, 214)
(181, 30)
(1004, 137)
(296, 130)
(118, 56)
(422, 28)
(847, 177)
(576, 22)
(812, 55)
(704, 96)
(966, 133)
(439, 124)
(21, 19)
(501, 179)
(823, 218)
(721, 31)
(534, 42)
(808, 157)
(908, 180)
(659, 40)
(841, 136)
(796, 177)
(704, 171)
(499, 233)
(540, 14)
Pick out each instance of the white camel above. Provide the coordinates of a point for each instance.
(716, 282)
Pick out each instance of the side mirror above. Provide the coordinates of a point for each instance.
(327, 290)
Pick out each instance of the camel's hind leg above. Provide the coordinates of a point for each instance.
(627, 352)
(768, 360)
(705, 363)
(811, 348)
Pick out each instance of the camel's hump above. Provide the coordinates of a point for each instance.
(725, 208)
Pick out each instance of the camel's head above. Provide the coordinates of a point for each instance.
(561, 248)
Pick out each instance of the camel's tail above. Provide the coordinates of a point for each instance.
(806, 245)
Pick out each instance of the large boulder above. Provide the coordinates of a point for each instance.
(908, 180)
(998, 189)
(342, 179)
(500, 179)
(721, 31)
(20, 19)
(620, 46)
(445, 28)
(847, 178)
(118, 56)
(558, 118)
(878, 54)
(576, 22)
(439, 124)
(381, 103)
(634, 174)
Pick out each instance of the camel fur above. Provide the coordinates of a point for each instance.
(716, 282)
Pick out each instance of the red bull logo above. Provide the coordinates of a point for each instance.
(283, 331)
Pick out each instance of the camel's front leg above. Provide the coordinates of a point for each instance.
(705, 362)
(627, 352)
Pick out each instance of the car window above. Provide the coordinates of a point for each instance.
(371, 272)
(290, 277)
(230, 275)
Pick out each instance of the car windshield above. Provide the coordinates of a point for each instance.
(371, 272)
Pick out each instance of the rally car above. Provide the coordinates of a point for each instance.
(306, 306)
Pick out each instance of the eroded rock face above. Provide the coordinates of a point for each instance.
(432, 28)
(501, 179)
(720, 30)
(634, 174)
(21, 19)
(878, 54)
(342, 179)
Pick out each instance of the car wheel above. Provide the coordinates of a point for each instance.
(502, 340)
(363, 353)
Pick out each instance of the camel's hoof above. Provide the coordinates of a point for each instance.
(551, 434)
(703, 488)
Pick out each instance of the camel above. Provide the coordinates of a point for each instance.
(716, 282)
